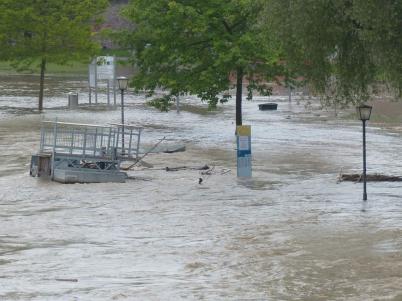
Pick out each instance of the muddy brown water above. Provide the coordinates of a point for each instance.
(290, 233)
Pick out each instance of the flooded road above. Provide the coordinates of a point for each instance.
(290, 233)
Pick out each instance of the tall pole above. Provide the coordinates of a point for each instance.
(239, 91)
(364, 162)
(42, 83)
(114, 80)
(122, 121)
(290, 93)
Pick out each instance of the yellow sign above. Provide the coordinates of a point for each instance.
(243, 130)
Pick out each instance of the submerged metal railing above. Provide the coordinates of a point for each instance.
(94, 141)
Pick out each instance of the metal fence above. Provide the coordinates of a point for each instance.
(95, 141)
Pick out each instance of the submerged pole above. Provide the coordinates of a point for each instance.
(364, 163)
(122, 121)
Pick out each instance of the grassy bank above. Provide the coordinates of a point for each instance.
(384, 112)
(74, 68)
(115, 52)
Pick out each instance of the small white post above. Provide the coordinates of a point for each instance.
(108, 92)
(54, 148)
(96, 80)
(90, 95)
(89, 82)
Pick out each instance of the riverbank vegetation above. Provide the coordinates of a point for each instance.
(343, 50)
(72, 68)
(36, 33)
(347, 50)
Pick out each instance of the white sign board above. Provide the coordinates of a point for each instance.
(105, 67)
(244, 143)
(102, 68)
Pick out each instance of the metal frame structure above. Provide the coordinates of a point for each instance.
(89, 148)
(90, 141)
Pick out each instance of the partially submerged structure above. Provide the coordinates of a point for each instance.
(84, 153)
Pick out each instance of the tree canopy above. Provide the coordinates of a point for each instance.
(39, 32)
(342, 47)
(191, 46)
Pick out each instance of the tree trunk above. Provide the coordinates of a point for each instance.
(42, 82)
(239, 92)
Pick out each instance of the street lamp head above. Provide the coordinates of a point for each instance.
(364, 112)
(123, 82)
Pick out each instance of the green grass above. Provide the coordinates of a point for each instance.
(115, 52)
(381, 118)
(376, 118)
(74, 68)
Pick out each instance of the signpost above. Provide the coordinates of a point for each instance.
(102, 68)
(243, 133)
(92, 82)
(105, 70)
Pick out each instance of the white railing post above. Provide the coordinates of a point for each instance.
(130, 142)
(85, 142)
(95, 138)
(72, 141)
(54, 148)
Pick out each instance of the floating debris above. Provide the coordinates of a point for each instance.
(139, 160)
(270, 106)
(369, 178)
(66, 280)
(205, 167)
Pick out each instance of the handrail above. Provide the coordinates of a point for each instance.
(89, 140)
(76, 124)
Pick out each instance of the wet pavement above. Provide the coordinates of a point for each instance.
(290, 233)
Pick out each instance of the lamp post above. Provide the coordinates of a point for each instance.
(123, 83)
(364, 112)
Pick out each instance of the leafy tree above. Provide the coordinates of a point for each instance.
(380, 25)
(195, 47)
(342, 47)
(45, 31)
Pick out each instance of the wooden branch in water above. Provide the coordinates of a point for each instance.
(66, 279)
(369, 178)
(205, 167)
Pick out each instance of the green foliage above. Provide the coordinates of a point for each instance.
(194, 47)
(47, 31)
(162, 103)
(58, 30)
(381, 26)
(342, 47)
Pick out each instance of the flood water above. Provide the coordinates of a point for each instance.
(290, 233)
